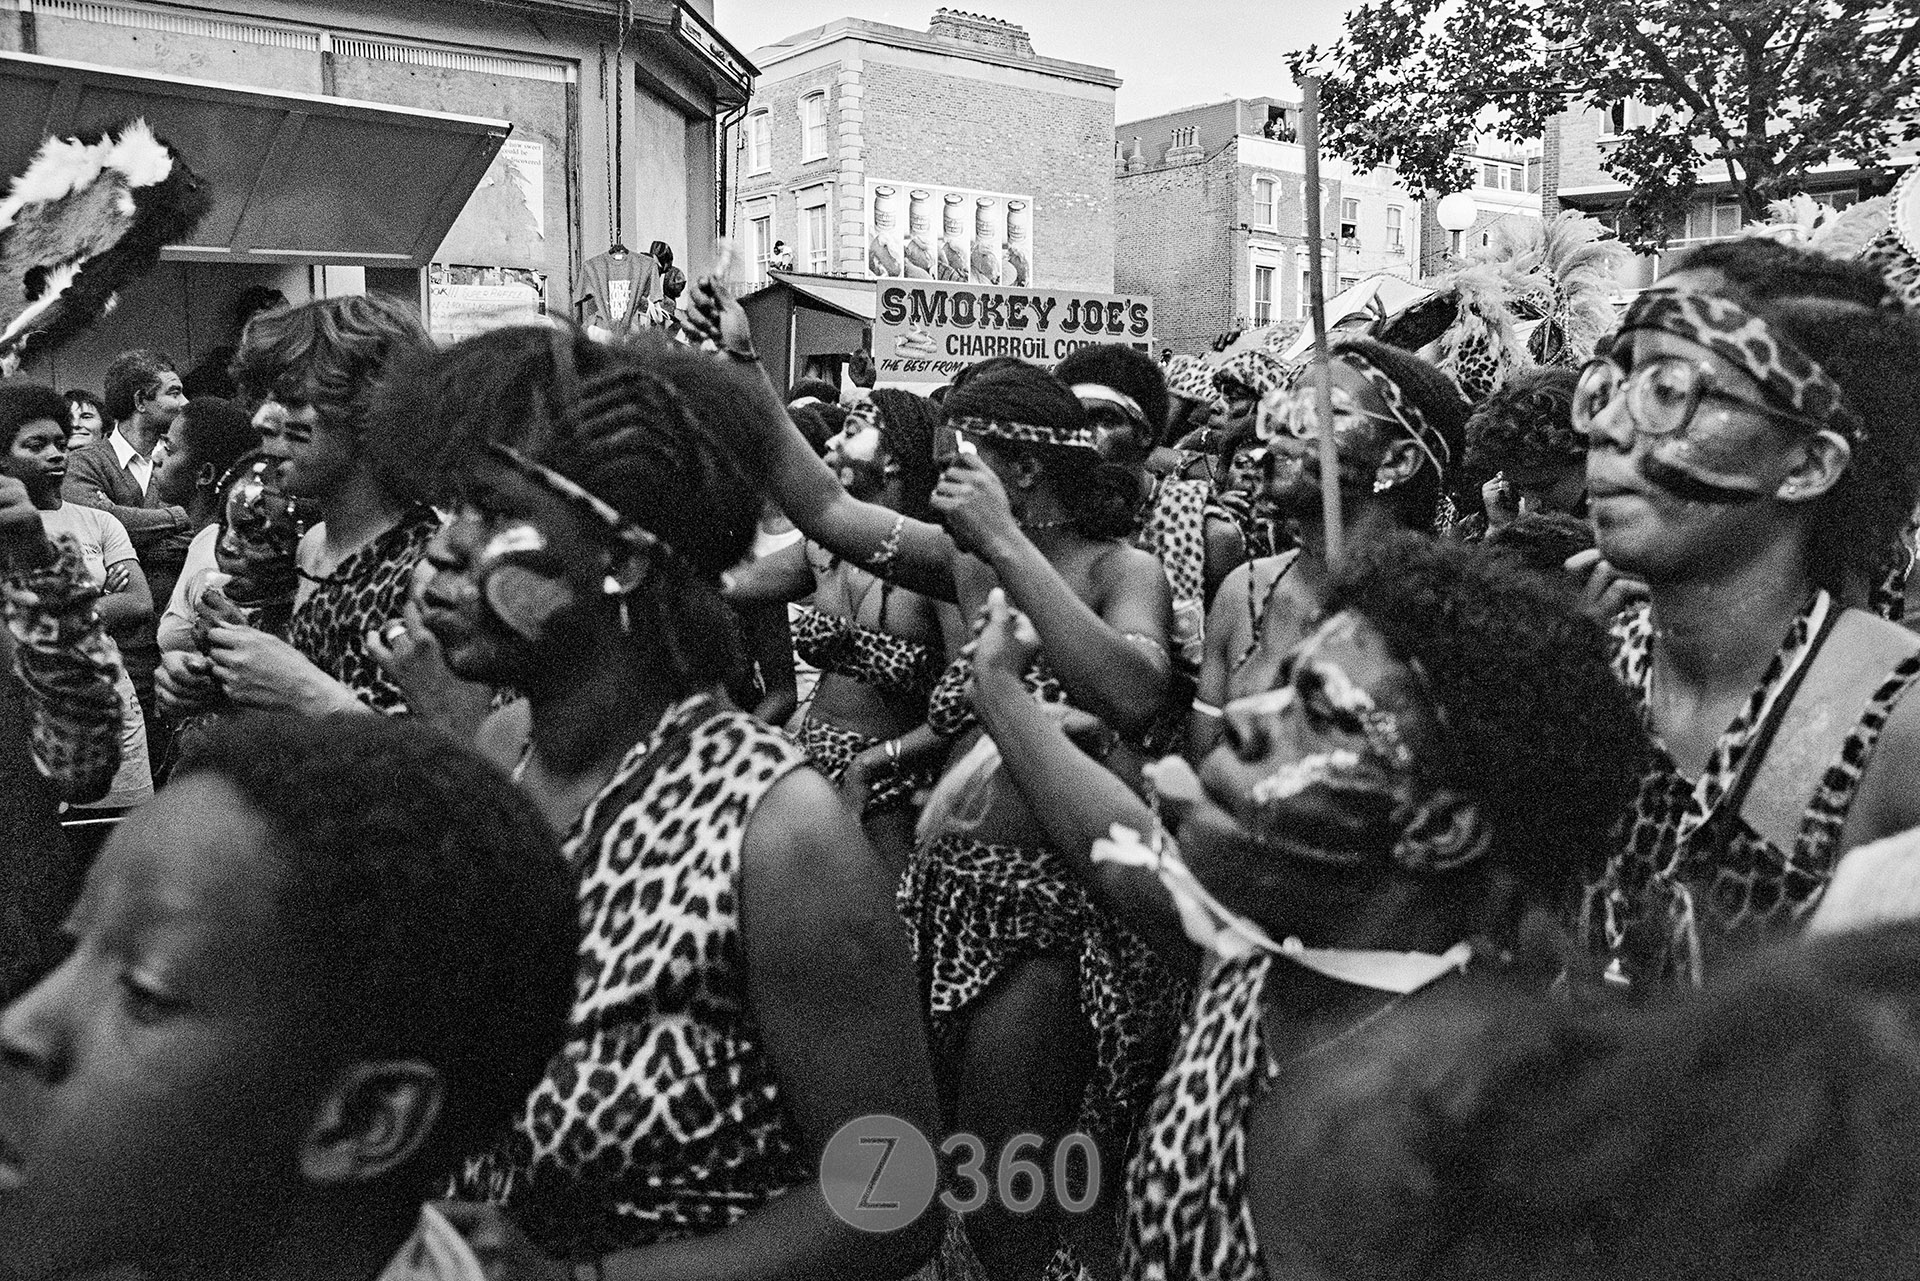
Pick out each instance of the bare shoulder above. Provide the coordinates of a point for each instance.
(808, 874)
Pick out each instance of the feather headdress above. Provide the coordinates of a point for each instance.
(88, 216)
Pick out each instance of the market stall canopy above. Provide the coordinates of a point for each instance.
(295, 177)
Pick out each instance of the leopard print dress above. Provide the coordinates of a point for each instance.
(364, 593)
(1692, 877)
(1187, 1212)
(661, 1117)
(978, 908)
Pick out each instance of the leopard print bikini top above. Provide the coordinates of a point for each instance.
(662, 1116)
(888, 663)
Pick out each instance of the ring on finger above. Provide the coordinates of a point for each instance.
(394, 631)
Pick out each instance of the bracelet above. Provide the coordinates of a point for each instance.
(1208, 710)
(892, 748)
(882, 560)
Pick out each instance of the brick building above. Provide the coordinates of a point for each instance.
(1210, 219)
(862, 138)
(1577, 141)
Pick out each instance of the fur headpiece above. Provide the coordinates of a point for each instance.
(88, 216)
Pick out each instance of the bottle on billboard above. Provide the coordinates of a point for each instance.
(883, 239)
(989, 234)
(918, 251)
(953, 239)
(1019, 268)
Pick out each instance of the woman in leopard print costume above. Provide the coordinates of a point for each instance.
(878, 648)
(1750, 461)
(1447, 747)
(1037, 1000)
(744, 989)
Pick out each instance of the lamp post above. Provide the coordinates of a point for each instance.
(1455, 213)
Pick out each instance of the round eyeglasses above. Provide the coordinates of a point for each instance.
(1662, 395)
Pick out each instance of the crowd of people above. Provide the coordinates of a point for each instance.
(529, 808)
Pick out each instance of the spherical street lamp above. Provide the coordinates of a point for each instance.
(1455, 213)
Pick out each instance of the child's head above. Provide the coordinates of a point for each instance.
(260, 529)
(330, 958)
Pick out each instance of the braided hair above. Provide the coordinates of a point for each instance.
(636, 424)
(907, 424)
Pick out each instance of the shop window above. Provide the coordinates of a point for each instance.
(813, 127)
(1396, 231)
(1350, 220)
(759, 142)
(1263, 295)
(813, 239)
(1266, 203)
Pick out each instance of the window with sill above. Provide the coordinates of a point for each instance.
(813, 127)
(759, 142)
(813, 239)
(760, 240)
(1263, 295)
(1266, 202)
(1349, 219)
(1396, 236)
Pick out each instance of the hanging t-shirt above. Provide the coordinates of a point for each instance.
(614, 290)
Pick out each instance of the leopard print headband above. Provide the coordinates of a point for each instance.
(1030, 433)
(1788, 376)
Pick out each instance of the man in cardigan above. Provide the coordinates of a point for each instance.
(144, 397)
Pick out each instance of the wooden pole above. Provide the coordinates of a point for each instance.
(1322, 372)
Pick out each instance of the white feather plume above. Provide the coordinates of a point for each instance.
(63, 166)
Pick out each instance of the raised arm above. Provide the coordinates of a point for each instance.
(783, 576)
(910, 552)
(1111, 654)
(1076, 799)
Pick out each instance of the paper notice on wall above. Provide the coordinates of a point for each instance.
(463, 300)
(505, 220)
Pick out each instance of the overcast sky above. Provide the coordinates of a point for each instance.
(1168, 53)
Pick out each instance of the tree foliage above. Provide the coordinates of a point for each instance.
(1762, 90)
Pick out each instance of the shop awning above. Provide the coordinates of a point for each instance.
(842, 294)
(295, 177)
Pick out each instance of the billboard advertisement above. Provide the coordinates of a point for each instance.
(920, 231)
(926, 331)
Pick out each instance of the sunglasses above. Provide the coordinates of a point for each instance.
(1662, 395)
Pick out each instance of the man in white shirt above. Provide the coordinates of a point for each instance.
(115, 475)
